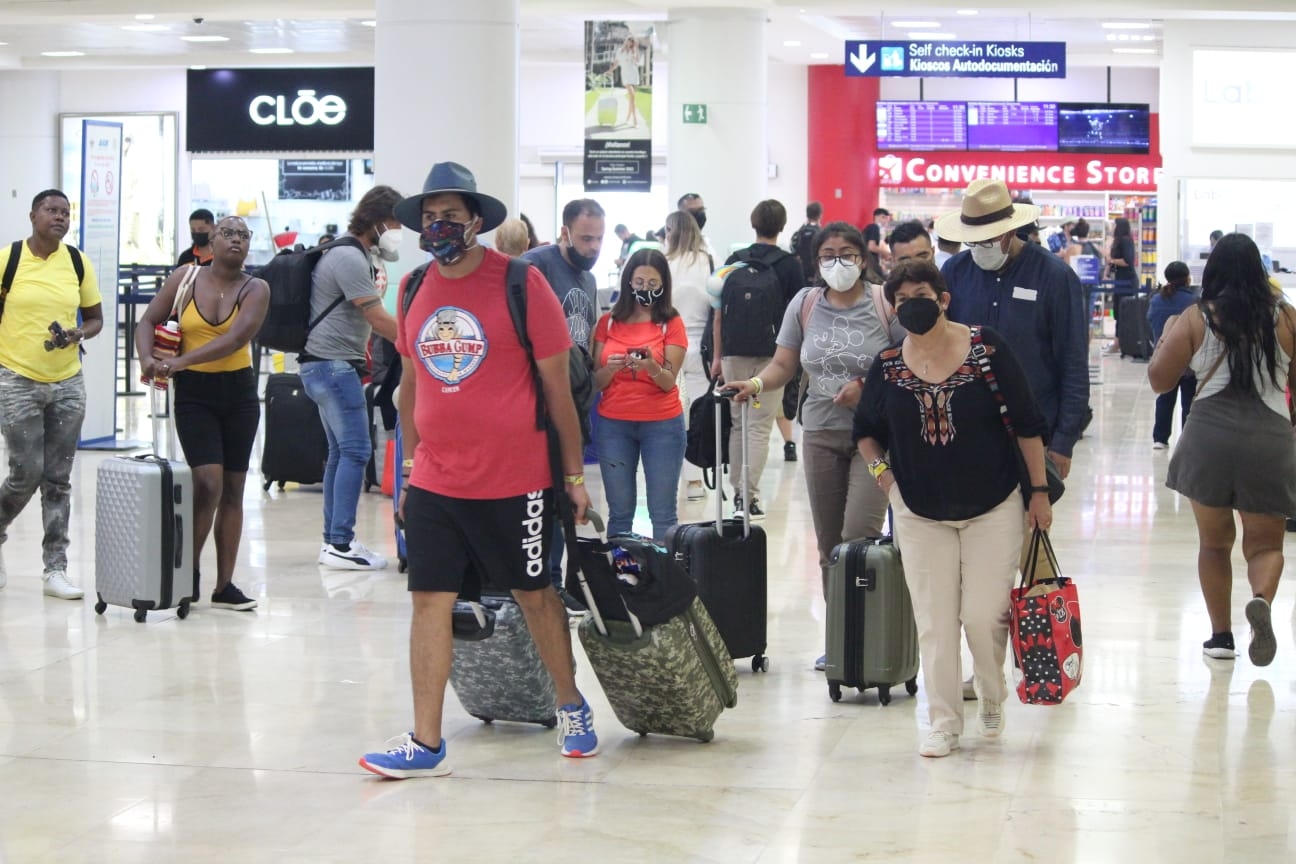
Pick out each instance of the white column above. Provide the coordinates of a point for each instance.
(446, 79)
(718, 58)
(28, 146)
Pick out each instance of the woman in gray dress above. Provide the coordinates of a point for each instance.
(1239, 341)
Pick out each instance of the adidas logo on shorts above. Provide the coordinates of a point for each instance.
(533, 536)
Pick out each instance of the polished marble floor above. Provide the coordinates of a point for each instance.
(234, 736)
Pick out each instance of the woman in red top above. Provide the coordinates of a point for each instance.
(638, 350)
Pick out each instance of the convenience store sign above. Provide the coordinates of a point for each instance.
(1060, 171)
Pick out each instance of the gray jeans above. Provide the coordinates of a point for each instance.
(845, 501)
(41, 425)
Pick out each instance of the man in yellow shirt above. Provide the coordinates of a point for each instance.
(42, 394)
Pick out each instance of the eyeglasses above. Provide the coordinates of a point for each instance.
(984, 244)
(641, 285)
(848, 258)
(231, 233)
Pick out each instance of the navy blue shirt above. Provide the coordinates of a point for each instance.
(577, 290)
(1038, 307)
(1161, 308)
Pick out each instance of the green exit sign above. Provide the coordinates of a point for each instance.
(695, 113)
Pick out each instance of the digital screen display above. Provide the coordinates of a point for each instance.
(1012, 126)
(1103, 128)
(922, 125)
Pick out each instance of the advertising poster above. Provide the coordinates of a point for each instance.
(618, 107)
(101, 161)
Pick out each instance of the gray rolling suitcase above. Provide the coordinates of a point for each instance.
(671, 678)
(144, 532)
(872, 638)
(497, 672)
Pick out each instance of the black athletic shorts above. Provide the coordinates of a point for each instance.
(216, 416)
(462, 545)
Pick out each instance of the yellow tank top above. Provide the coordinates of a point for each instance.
(195, 330)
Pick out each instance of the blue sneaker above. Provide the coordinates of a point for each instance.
(405, 758)
(821, 663)
(576, 731)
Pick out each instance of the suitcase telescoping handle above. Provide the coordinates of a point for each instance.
(722, 397)
(597, 521)
(163, 419)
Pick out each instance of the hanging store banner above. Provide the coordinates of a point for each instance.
(618, 107)
(942, 58)
(1059, 171)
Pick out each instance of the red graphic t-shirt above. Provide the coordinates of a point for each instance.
(475, 400)
(631, 396)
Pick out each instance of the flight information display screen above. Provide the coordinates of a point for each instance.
(922, 125)
(1012, 126)
(1103, 128)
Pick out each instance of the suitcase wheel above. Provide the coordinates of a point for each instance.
(884, 695)
(487, 720)
(705, 737)
(182, 611)
(402, 564)
(641, 733)
(911, 686)
(834, 692)
(100, 607)
(760, 663)
(140, 615)
(265, 487)
(551, 723)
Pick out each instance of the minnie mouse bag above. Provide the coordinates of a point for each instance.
(1044, 628)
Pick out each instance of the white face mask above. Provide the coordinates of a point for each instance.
(389, 245)
(991, 259)
(841, 277)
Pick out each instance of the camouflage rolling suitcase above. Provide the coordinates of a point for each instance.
(663, 665)
(497, 672)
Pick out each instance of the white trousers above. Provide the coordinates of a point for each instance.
(959, 575)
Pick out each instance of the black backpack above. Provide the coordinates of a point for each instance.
(287, 321)
(580, 368)
(751, 305)
(803, 249)
(699, 443)
(11, 269)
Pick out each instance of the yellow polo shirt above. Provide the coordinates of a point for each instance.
(43, 290)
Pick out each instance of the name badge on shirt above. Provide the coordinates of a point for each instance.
(1020, 293)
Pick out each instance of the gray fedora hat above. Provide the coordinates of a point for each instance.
(451, 177)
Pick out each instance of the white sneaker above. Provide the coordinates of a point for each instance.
(4, 576)
(57, 585)
(1160, 445)
(990, 718)
(939, 744)
(355, 557)
(323, 555)
(969, 690)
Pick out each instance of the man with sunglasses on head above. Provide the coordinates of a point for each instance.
(346, 304)
(46, 285)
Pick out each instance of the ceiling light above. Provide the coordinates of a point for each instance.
(205, 38)
(370, 23)
(967, 11)
(819, 55)
(927, 34)
(145, 17)
(1125, 25)
(915, 25)
(198, 68)
(6, 43)
(792, 43)
(145, 28)
(62, 53)
(1134, 51)
(270, 50)
(1149, 38)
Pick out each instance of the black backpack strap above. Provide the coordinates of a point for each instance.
(344, 240)
(11, 270)
(516, 278)
(412, 285)
(77, 264)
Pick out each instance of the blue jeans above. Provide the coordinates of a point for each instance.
(620, 445)
(334, 386)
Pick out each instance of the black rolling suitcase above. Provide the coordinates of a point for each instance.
(296, 447)
(727, 560)
(1133, 332)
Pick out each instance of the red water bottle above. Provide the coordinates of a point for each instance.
(166, 341)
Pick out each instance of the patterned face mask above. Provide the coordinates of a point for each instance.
(447, 241)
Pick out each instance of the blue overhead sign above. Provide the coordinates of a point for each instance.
(939, 58)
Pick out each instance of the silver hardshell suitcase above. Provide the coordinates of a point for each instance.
(497, 672)
(144, 531)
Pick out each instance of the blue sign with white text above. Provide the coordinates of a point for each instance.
(938, 58)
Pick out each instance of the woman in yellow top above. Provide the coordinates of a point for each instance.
(216, 407)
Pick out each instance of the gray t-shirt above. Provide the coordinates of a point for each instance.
(577, 291)
(343, 334)
(839, 345)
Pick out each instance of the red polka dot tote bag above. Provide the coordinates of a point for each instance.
(1045, 628)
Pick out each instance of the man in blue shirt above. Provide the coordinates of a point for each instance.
(567, 265)
(1031, 297)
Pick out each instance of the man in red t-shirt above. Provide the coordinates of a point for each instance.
(479, 502)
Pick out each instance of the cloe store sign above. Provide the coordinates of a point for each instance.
(1061, 171)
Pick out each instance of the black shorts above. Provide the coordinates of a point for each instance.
(216, 416)
(462, 545)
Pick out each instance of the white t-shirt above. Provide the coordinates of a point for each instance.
(689, 273)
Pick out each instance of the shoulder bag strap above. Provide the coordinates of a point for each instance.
(1211, 371)
(77, 264)
(987, 374)
(807, 306)
(516, 278)
(185, 291)
(11, 269)
(880, 306)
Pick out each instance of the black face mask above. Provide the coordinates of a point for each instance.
(700, 216)
(918, 314)
(201, 238)
(579, 261)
